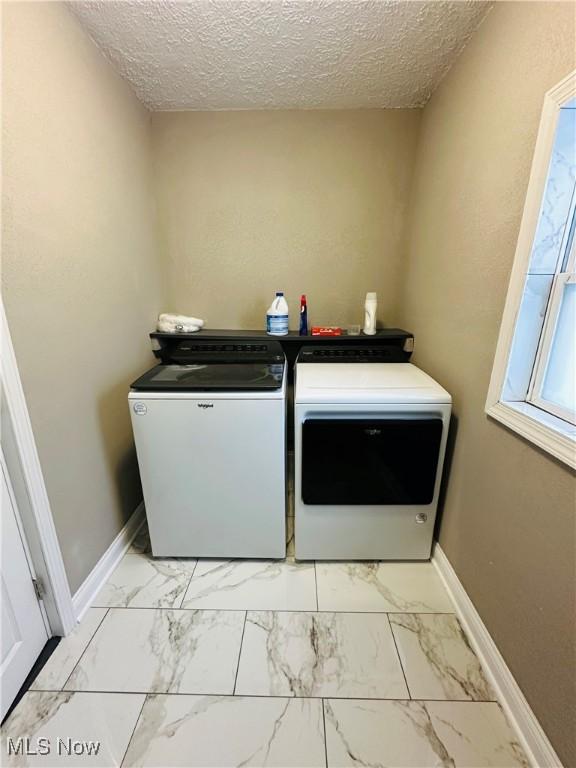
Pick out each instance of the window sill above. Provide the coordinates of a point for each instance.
(548, 432)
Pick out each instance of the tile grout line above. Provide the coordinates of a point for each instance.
(239, 654)
(134, 730)
(398, 655)
(268, 696)
(188, 586)
(324, 723)
(275, 610)
(93, 635)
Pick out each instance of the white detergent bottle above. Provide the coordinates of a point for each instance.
(277, 316)
(370, 307)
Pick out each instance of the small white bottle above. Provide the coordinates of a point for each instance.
(370, 307)
(277, 316)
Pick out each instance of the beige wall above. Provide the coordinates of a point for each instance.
(305, 202)
(81, 283)
(308, 201)
(508, 525)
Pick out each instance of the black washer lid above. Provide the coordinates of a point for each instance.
(212, 377)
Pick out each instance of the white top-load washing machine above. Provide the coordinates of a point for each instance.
(209, 427)
(370, 439)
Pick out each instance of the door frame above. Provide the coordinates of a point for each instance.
(39, 528)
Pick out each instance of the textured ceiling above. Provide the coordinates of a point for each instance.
(281, 54)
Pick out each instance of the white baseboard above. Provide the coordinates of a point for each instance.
(90, 587)
(530, 733)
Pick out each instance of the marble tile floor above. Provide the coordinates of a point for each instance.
(265, 663)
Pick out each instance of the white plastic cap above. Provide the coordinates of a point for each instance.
(371, 296)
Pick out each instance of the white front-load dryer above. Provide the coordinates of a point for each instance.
(370, 439)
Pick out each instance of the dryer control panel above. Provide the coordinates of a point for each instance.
(336, 354)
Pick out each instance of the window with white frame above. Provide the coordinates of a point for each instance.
(533, 386)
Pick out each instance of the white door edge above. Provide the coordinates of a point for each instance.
(21, 530)
(25, 629)
(49, 564)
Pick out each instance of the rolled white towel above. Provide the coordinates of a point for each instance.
(180, 319)
(165, 327)
(168, 323)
